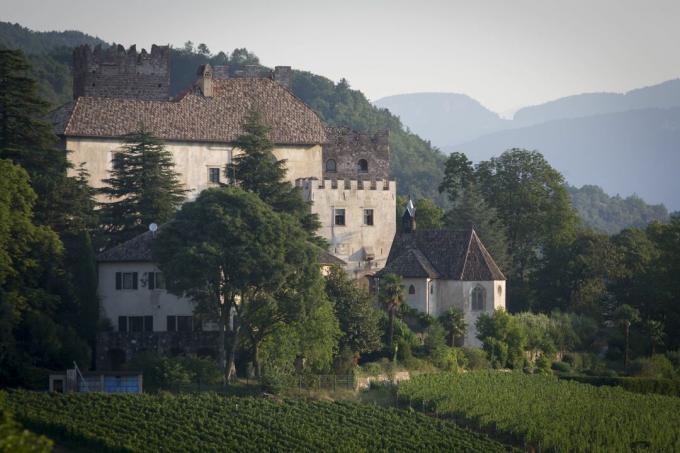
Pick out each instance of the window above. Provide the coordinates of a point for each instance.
(331, 166)
(500, 290)
(431, 288)
(478, 295)
(368, 217)
(411, 289)
(179, 323)
(135, 324)
(340, 216)
(362, 166)
(214, 175)
(155, 280)
(126, 280)
(184, 323)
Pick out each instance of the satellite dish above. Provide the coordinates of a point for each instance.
(153, 227)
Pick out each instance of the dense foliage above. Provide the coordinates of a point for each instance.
(208, 422)
(550, 414)
(611, 214)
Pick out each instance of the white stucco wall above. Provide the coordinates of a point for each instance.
(455, 293)
(192, 160)
(140, 302)
(348, 242)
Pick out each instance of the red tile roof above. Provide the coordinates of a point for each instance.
(193, 117)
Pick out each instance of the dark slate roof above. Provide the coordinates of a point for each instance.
(446, 254)
(136, 249)
(328, 259)
(139, 249)
(193, 117)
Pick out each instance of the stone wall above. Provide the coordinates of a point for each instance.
(363, 247)
(116, 72)
(113, 346)
(347, 147)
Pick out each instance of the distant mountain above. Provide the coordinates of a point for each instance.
(443, 118)
(612, 214)
(634, 152)
(663, 95)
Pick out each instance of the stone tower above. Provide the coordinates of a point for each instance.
(116, 72)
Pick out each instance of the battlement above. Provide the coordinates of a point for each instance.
(351, 154)
(117, 72)
(313, 184)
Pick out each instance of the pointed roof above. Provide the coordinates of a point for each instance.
(445, 254)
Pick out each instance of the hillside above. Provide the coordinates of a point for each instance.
(612, 214)
(443, 118)
(633, 152)
(416, 165)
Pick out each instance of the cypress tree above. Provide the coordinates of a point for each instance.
(257, 170)
(143, 187)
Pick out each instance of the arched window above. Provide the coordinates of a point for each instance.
(411, 289)
(331, 166)
(500, 290)
(362, 166)
(478, 295)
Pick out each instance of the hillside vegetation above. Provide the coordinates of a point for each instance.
(417, 166)
(209, 422)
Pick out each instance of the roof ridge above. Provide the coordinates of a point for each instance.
(467, 253)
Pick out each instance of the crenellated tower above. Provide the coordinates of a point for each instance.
(116, 72)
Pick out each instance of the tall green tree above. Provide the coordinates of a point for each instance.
(143, 187)
(459, 173)
(359, 321)
(228, 250)
(503, 338)
(257, 170)
(391, 296)
(626, 316)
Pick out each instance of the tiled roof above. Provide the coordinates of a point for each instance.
(139, 249)
(193, 117)
(136, 249)
(446, 254)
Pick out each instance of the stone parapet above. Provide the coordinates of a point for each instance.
(312, 184)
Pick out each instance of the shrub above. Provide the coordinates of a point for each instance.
(160, 372)
(475, 359)
(562, 367)
(543, 364)
(203, 371)
(674, 357)
(657, 366)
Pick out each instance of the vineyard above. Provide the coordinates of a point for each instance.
(549, 414)
(209, 422)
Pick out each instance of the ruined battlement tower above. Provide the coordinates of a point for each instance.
(116, 72)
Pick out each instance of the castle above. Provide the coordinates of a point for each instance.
(345, 174)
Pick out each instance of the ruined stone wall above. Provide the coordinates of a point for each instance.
(116, 72)
(347, 147)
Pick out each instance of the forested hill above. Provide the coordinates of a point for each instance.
(417, 166)
(612, 214)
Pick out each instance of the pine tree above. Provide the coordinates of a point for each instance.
(143, 188)
(471, 211)
(257, 170)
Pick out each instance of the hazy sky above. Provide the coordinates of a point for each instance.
(504, 53)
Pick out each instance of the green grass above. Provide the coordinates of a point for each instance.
(210, 422)
(550, 414)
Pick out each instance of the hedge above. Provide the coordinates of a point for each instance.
(668, 387)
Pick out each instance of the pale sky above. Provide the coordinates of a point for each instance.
(504, 53)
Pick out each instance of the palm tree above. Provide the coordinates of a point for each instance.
(626, 315)
(391, 296)
(453, 321)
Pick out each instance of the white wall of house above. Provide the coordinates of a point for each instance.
(350, 242)
(458, 294)
(192, 160)
(138, 302)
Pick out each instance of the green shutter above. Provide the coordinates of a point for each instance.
(134, 280)
(151, 280)
(119, 280)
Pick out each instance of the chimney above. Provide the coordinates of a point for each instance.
(221, 72)
(408, 220)
(205, 80)
(284, 75)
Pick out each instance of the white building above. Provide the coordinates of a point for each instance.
(446, 268)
